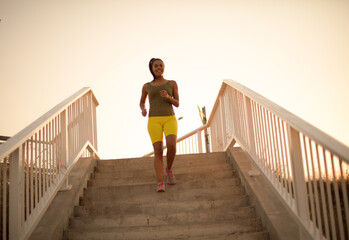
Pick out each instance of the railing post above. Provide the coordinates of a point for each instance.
(235, 114)
(199, 141)
(16, 195)
(65, 149)
(93, 124)
(299, 184)
(223, 122)
(251, 143)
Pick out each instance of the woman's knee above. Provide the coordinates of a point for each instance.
(171, 141)
(158, 149)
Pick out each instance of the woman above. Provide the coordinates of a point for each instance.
(162, 95)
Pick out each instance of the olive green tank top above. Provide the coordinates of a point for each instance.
(160, 106)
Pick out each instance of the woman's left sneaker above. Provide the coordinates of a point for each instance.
(170, 176)
(161, 187)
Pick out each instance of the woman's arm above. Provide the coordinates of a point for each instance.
(142, 101)
(175, 99)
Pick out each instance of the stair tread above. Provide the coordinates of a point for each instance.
(149, 169)
(166, 231)
(151, 176)
(253, 235)
(140, 165)
(179, 158)
(112, 208)
(244, 216)
(148, 193)
(200, 181)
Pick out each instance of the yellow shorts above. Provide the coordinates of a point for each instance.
(162, 124)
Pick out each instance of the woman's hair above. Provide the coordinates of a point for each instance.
(151, 65)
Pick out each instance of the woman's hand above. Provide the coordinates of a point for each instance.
(144, 112)
(163, 93)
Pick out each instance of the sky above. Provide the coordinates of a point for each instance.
(295, 53)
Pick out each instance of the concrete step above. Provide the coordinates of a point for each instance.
(180, 231)
(245, 215)
(256, 235)
(217, 156)
(260, 235)
(176, 166)
(141, 163)
(184, 180)
(141, 193)
(110, 208)
(180, 173)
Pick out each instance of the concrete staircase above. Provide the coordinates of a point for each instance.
(207, 202)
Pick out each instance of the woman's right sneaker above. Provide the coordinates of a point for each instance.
(170, 176)
(161, 187)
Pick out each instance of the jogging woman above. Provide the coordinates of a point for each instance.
(163, 94)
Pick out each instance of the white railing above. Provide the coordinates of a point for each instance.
(35, 162)
(308, 168)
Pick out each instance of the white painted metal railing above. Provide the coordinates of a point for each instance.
(35, 163)
(308, 168)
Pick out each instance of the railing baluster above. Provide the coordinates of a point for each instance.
(50, 152)
(287, 163)
(306, 159)
(36, 197)
(40, 166)
(274, 149)
(56, 147)
(257, 133)
(316, 191)
(267, 145)
(22, 184)
(282, 166)
(45, 146)
(249, 126)
(337, 199)
(302, 210)
(345, 196)
(329, 196)
(199, 141)
(322, 191)
(4, 199)
(260, 138)
(27, 186)
(15, 208)
(265, 148)
(31, 178)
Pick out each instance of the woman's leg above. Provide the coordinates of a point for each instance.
(158, 163)
(155, 133)
(171, 141)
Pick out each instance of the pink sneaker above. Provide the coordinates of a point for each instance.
(170, 177)
(161, 187)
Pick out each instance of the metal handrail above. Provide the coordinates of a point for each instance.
(3, 139)
(296, 122)
(308, 168)
(39, 159)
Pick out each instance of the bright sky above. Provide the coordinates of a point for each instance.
(295, 53)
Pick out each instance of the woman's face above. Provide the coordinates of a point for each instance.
(158, 68)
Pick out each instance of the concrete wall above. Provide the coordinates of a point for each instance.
(56, 218)
(277, 218)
